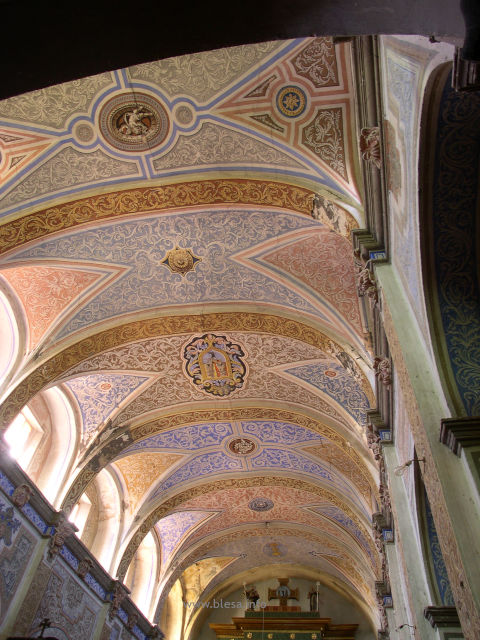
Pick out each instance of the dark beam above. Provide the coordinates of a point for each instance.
(45, 43)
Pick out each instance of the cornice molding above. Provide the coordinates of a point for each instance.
(457, 433)
(442, 616)
(466, 73)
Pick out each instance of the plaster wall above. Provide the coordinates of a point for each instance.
(406, 64)
(453, 504)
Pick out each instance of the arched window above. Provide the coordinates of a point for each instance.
(435, 564)
(23, 437)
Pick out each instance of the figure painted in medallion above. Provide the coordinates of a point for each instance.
(215, 364)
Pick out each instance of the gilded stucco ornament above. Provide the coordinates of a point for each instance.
(215, 364)
(180, 260)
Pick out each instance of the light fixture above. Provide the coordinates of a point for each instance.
(400, 470)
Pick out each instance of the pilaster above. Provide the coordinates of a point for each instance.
(453, 505)
(406, 537)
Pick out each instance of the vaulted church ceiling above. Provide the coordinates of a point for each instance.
(175, 243)
(291, 114)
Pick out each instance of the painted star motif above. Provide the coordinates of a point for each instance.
(291, 101)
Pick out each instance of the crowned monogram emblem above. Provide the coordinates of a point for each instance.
(215, 364)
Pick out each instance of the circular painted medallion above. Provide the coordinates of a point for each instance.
(291, 101)
(134, 122)
(260, 504)
(84, 132)
(242, 446)
(330, 374)
(184, 114)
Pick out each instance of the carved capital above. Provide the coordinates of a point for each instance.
(366, 247)
(382, 613)
(370, 149)
(373, 441)
(377, 534)
(382, 588)
(383, 370)
(385, 500)
(379, 520)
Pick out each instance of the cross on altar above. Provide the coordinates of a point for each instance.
(283, 592)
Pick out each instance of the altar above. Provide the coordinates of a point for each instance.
(283, 625)
(282, 621)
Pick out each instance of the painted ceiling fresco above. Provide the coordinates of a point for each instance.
(168, 271)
